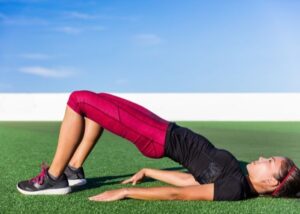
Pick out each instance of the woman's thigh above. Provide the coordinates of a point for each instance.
(124, 118)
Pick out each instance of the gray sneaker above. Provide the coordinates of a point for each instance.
(75, 176)
(43, 184)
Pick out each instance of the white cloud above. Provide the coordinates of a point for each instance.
(35, 56)
(69, 30)
(86, 16)
(78, 15)
(21, 20)
(118, 18)
(147, 39)
(47, 72)
(78, 30)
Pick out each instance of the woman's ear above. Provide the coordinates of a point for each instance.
(271, 183)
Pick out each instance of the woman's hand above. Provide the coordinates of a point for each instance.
(112, 195)
(137, 177)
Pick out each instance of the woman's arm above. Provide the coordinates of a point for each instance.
(171, 177)
(198, 192)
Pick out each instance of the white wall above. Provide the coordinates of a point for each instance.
(171, 106)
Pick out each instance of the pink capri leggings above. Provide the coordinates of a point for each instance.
(123, 118)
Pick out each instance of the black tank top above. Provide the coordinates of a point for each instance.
(207, 163)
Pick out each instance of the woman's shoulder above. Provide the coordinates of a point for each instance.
(229, 163)
(231, 188)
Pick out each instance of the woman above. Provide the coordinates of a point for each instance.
(214, 174)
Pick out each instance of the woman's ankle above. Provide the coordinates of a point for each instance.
(53, 175)
(74, 165)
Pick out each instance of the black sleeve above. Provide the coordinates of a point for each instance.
(228, 189)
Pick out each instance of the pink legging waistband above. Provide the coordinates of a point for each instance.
(123, 118)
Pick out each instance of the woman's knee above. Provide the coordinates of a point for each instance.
(80, 95)
(76, 98)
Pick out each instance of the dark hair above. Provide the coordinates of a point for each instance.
(291, 187)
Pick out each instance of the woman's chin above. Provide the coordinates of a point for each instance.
(248, 166)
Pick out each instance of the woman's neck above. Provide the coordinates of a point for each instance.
(255, 187)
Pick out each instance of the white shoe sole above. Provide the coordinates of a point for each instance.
(59, 191)
(76, 182)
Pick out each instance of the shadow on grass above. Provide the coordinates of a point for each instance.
(111, 180)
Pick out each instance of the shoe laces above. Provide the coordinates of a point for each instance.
(40, 177)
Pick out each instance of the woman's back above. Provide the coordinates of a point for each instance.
(207, 163)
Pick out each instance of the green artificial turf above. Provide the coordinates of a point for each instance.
(25, 145)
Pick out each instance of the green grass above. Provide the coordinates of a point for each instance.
(24, 145)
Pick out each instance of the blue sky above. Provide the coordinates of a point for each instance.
(150, 46)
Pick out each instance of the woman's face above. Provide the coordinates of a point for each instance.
(264, 168)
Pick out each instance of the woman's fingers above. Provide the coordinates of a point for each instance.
(135, 178)
(111, 195)
(130, 180)
(127, 181)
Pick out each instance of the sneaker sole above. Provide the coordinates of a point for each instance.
(76, 182)
(59, 191)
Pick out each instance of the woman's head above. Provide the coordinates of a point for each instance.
(275, 175)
